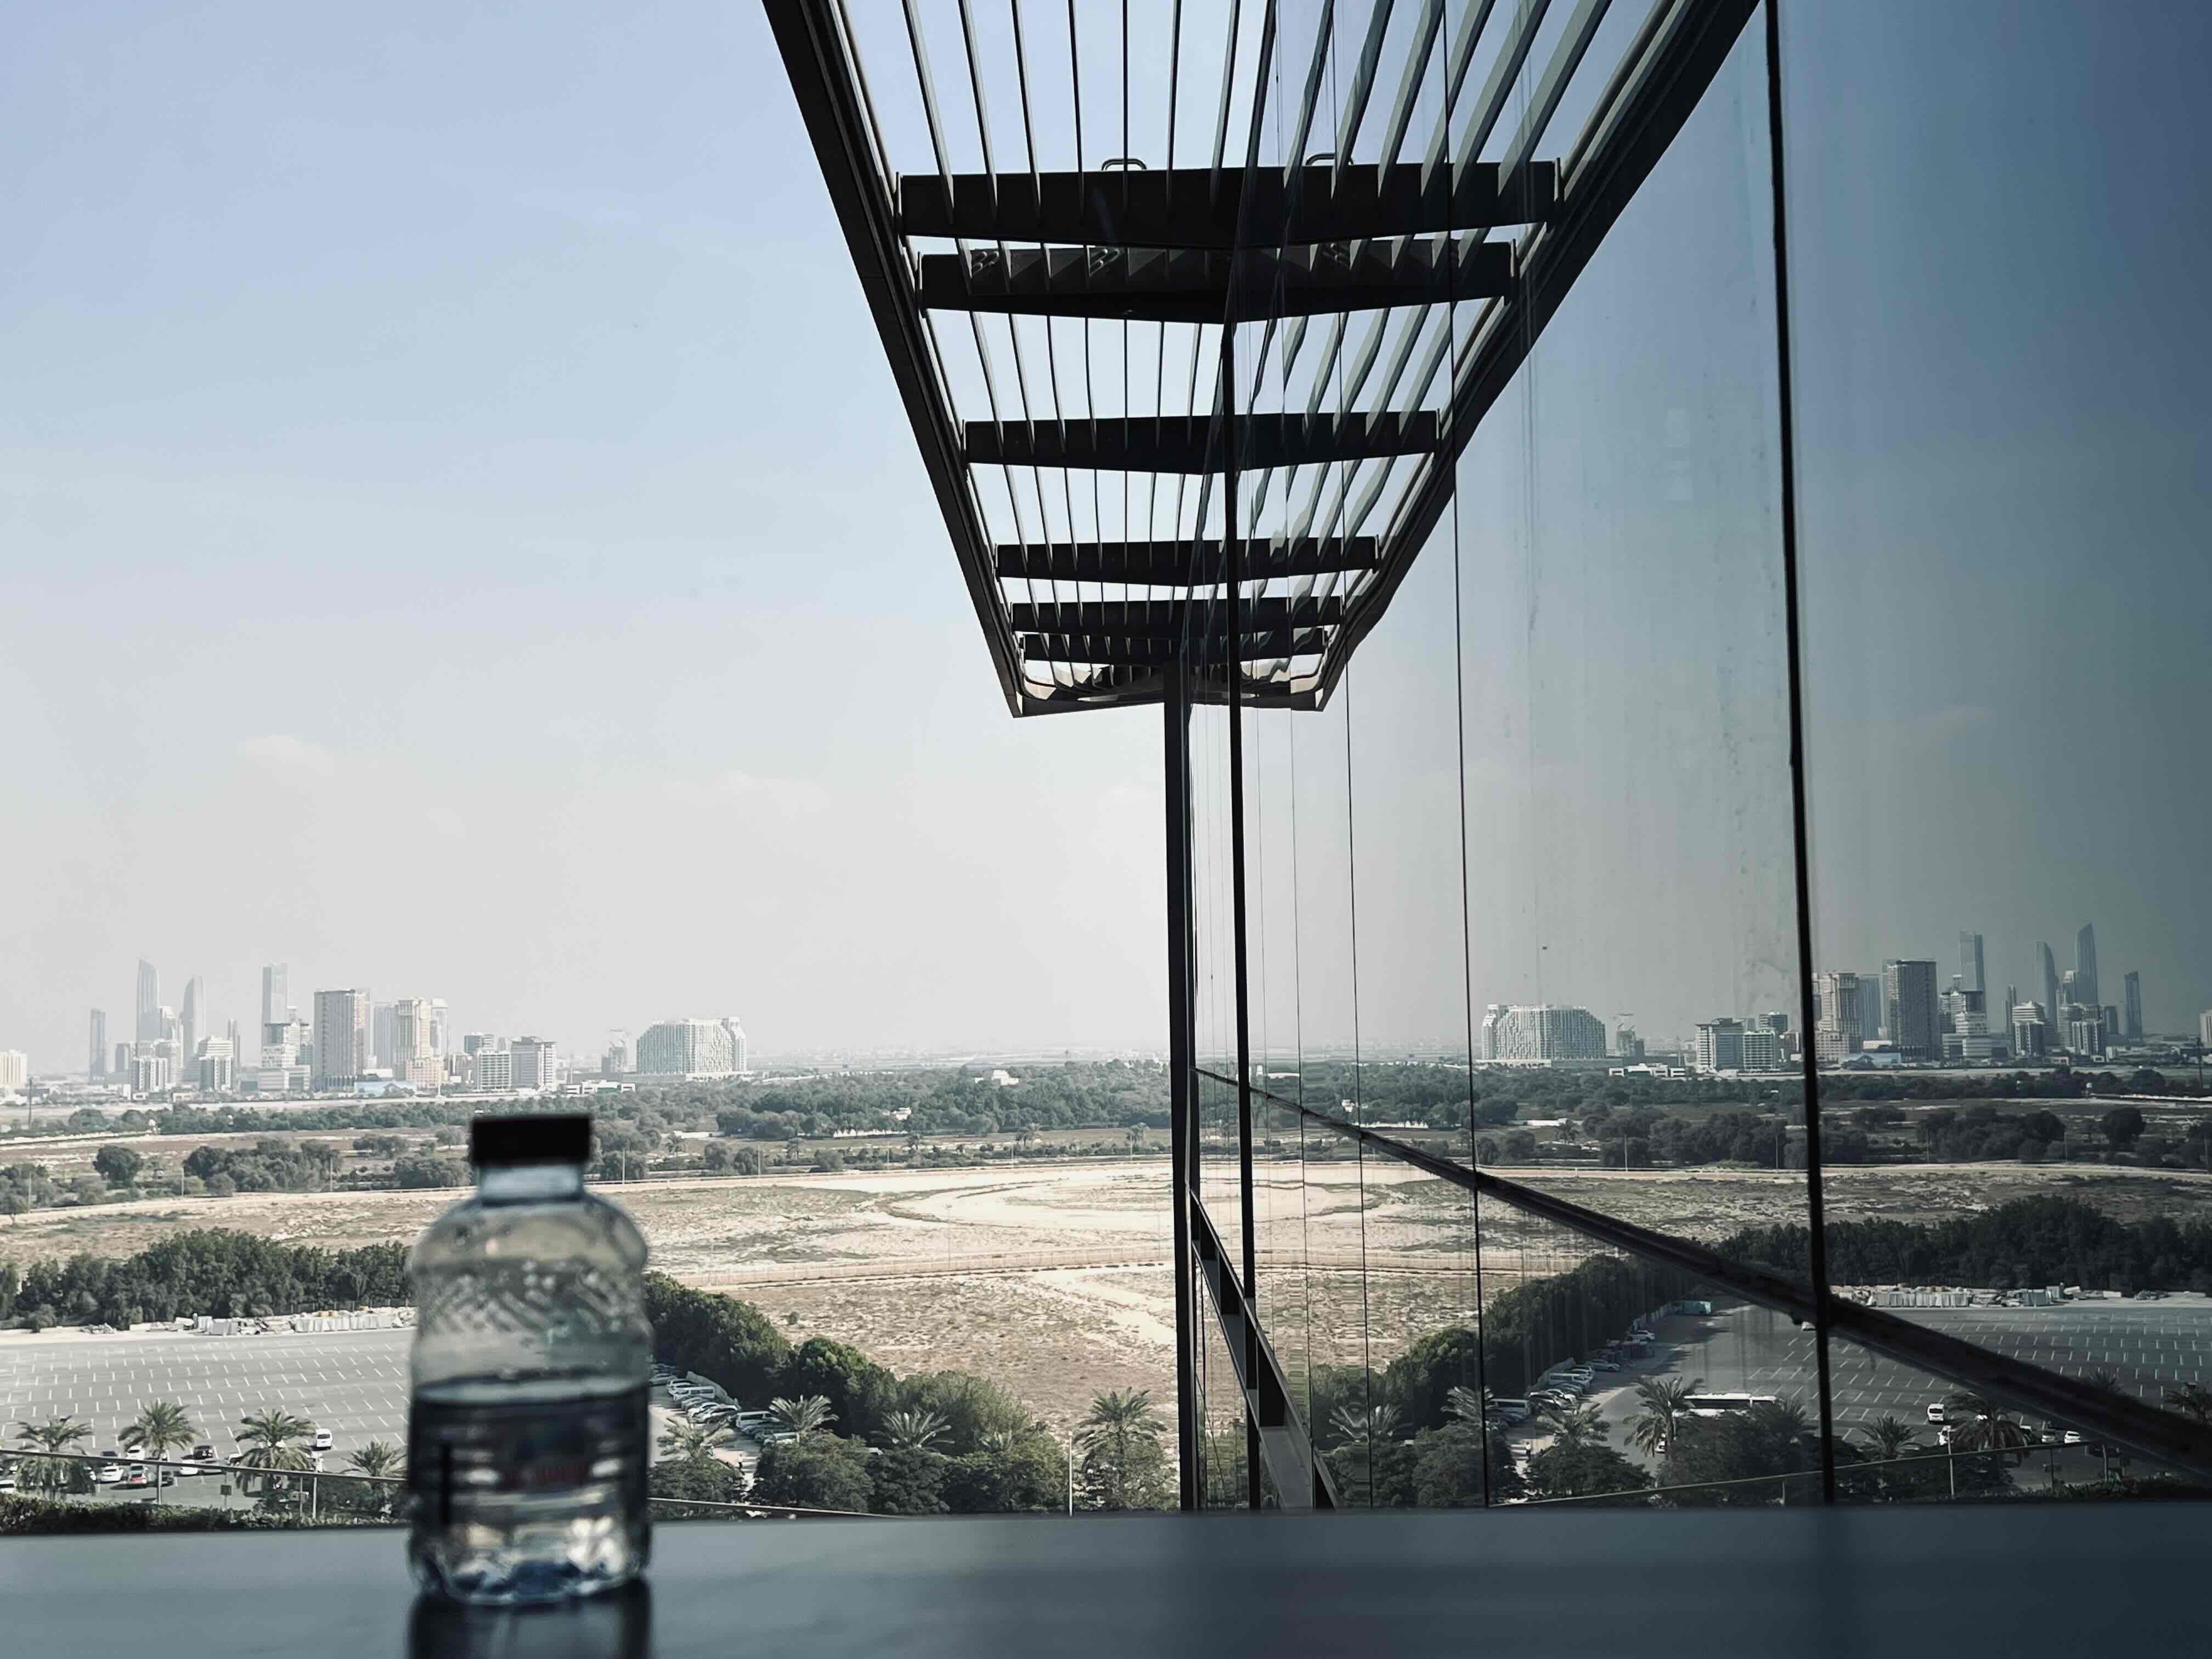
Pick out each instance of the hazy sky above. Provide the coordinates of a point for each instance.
(460, 539)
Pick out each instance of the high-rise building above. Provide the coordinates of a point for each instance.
(2030, 1032)
(2085, 1029)
(1908, 995)
(14, 1071)
(1969, 963)
(152, 1073)
(1626, 1045)
(2204, 1029)
(1720, 1045)
(415, 1056)
(341, 1038)
(536, 1065)
(99, 1066)
(218, 1072)
(1764, 1048)
(276, 993)
(149, 1026)
(193, 1012)
(492, 1070)
(1539, 1033)
(441, 1025)
(1872, 1014)
(477, 1041)
(122, 1064)
(2050, 980)
(2085, 965)
(2131, 1004)
(2109, 1014)
(1840, 1027)
(380, 1035)
(716, 1047)
(615, 1062)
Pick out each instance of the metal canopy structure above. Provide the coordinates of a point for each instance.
(1058, 226)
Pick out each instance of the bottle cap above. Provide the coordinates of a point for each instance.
(530, 1138)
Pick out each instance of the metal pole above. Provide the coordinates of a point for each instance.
(1182, 1076)
(1234, 548)
(1815, 1209)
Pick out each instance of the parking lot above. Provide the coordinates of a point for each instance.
(353, 1383)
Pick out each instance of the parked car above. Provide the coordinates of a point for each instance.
(108, 1474)
(1604, 1364)
(322, 1441)
(204, 1453)
(1934, 1411)
(134, 1450)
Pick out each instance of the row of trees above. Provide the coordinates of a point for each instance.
(211, 1271)
(2025, 1241)
(270, 1442)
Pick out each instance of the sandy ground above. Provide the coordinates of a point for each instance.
(1053, 1279)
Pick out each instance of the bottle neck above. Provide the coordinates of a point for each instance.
(518, 1183)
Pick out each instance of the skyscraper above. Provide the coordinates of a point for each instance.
(414, 1057)
(276, 993)
(1537, 1031)
(341, 1037)
(1969, 963)
(1908, 994)
(711, 1048)
(2085, 966)
(1840, 1029)
(14, 1070)
(2049, 982)
(536, 1065)
(2131, 1001)
(149, 1028)
(380, 1046)
(189, 1018)
(99, 1066)
(1720, 1045)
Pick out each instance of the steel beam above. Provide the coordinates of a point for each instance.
(1120, 651)
(1302, 1479)
(1165, 619)
(822, 78)
(1182, 1073)
(1194, 208)
(1160, 285)
(1177, 443)
(1171, 564)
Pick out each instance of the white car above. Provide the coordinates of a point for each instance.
(108, 1474)
(322, 1441)
(1935, 1412)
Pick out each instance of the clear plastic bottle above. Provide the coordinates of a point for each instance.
(527, 1437)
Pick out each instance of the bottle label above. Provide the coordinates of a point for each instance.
(461, 1453)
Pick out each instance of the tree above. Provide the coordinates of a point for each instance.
(912, 1430)
(683, 1439)
(978, 1413)
(379, 1460)
(806, 1415)
(696, 1480)
(117, 1164)
(52, 1473)
(1772, 1438)
(1365, 1423)
(2122, 1126)
(907, 1480)
(1662, 1405)
(1460, 1467)
(160, 1426)
(1123, 1465)
(821, 1472)
(859, 1390)
(1010, 1472)
(1464, 1405)
(1987, 1428)
(1583, 1468)
(268, 1439)
(1576, 1426)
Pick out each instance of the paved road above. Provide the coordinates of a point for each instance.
(351, 1382)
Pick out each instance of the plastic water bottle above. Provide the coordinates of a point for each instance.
(527, 1438)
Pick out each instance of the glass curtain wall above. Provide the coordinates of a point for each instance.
(1521, 893)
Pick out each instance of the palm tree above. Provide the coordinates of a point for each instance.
(1664, 1405)
(998, 1442)
(685, 1439)
(1119, 1437)
(1987, 1428)
(1576, 1426)
(1892, 1437)
(379, 1460)
(53, 1437)
(803, 1416)
(911, 1431)
(268, 1439)
(160, 1426)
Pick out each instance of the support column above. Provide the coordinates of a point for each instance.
(1183, 1077)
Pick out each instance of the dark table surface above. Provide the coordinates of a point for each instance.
(2072, 1579)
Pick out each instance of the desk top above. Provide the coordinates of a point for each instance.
(2023, 1578)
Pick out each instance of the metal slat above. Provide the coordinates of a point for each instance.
(1165, 619)
(1174, 209)
(1170, 564)
(1122, 652)
(1180, 443)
